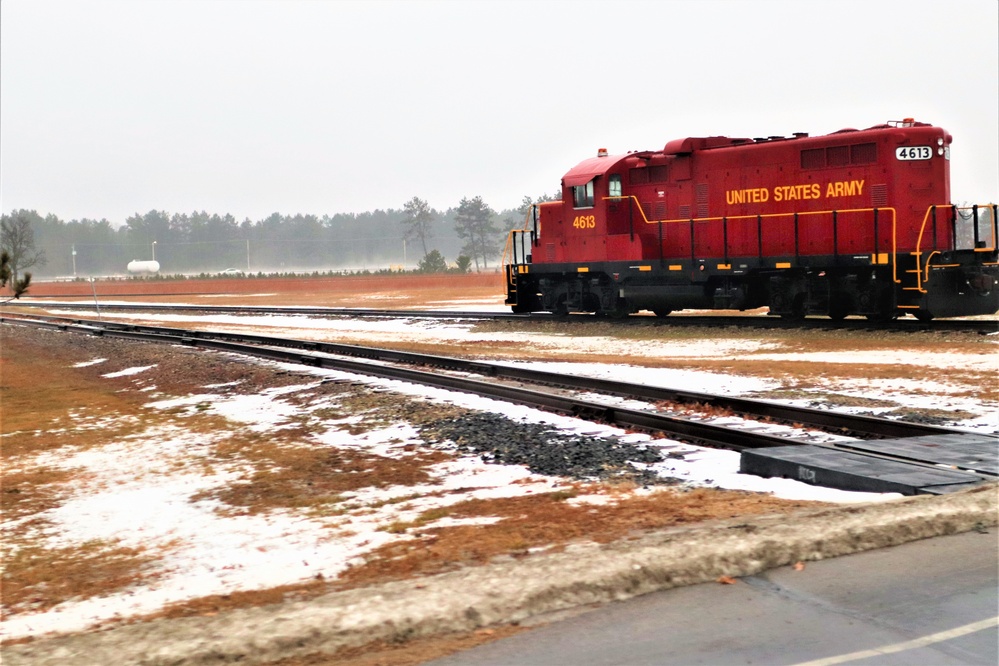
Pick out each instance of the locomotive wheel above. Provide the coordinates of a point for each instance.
(561, 308)
(662, 313)
(620, 312)
(797, 311)
(877, 301)
(923, 315)
(838, 310)
(521, 308)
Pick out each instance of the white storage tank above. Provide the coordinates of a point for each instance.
(143, 266)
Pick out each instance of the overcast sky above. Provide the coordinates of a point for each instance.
(110, 108)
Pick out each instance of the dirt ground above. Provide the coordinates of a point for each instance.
(398, 290)
(41, 391)
(39, 394)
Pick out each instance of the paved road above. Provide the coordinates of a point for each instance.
(931, 602)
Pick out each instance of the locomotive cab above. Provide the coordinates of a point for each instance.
(592, 225)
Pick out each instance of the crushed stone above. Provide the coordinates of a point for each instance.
(544, 450)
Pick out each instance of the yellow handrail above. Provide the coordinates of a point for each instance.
(918, 253)
(508, 247)
(922, 270)
(894, 231)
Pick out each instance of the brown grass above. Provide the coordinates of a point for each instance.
(37, 578)
(791, 372)
(288, 471)
(32, 491)
(41, 396)
(409, 653)
(547, 521)
(43, 400)
(304, 475)
(537, 522)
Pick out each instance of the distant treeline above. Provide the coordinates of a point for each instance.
(200, 242)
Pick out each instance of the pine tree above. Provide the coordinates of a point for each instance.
(18, 287)
(474, 224)
(419, 221)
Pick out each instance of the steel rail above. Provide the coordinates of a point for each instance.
(271, 310)
(830, 421)
(675, 321)
(692, 431)
(705, 433)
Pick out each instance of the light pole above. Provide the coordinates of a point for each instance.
(74, 259)
(154, 250)
(247, 256)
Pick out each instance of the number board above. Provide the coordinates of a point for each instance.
(914, 153)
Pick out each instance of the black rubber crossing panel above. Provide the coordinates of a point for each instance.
(971, 451)
(831, 468)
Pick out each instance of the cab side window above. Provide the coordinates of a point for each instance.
(582, 195)
(614, 185)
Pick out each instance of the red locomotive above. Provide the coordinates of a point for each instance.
(855, 222)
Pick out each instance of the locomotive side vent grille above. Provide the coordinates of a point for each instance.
(658, 174)
(684, 212)
(879, 195)
(701, 191)
(864, 153)
(550, 251)
(660, 211)
(813, 159)
(638, 176)
(836, 156)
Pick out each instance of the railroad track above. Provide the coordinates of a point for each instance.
(883, 439)
(832, 422)
(678, 320)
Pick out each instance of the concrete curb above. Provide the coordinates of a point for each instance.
(512, 591)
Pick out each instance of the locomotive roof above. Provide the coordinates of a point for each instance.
(590, 168)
